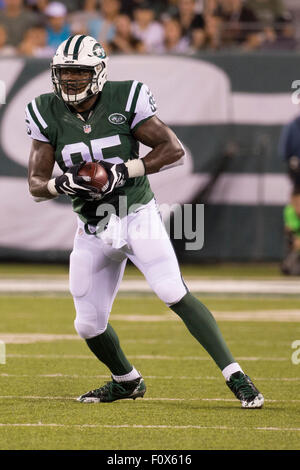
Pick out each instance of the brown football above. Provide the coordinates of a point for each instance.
(97, 173)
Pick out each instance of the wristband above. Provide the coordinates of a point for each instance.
(135, 168)
(51, 187)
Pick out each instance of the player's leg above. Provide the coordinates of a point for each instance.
(159, 265)
(94, 280)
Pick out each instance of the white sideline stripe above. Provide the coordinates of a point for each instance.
(145, 426)
(38, 115)
(263, 108)
(33, 397)
(131, 94)
(151, 357)
(152, 377)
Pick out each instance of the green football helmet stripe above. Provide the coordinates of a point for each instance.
(77, 45)
(66, 49)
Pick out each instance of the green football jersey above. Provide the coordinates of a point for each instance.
(107, 134)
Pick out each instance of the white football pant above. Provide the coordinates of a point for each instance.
(97, 266)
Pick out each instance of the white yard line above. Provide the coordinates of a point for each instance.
(252, 286)
(151, 377)
(266, 315)
(28, 338)
(148, 426)
(225, 400)
(151, 357)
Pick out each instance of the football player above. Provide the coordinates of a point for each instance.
(88, 118)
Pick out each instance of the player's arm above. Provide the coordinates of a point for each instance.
(166, 148)
(41, 163)
(151, 131)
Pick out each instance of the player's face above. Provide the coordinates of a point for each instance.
(74, 81)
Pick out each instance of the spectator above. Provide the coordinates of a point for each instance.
(266, 11)
(124, 41)
(34, 43)
(102, 28)
(158, 6)
(36, 5)
(5, 50)
(213, 32)
(240, 25)
(145, 28)
(269, 38)
(291, 261)
(285, 33)
(188, 18)
(173, 40)
(16, 20)
(210, 7)
(72, 5)
(58, 29)
(198, 41)
(40, 5)
(80, 19)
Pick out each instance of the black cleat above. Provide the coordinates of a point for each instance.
(245, 391)
(113, 390)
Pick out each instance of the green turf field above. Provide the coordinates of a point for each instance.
(187, 404)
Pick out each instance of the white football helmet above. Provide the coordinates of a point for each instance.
(85, 53)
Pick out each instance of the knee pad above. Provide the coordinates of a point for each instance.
(88, 322)
(170, 291)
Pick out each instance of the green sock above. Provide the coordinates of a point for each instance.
(108, 350)
(204, 328)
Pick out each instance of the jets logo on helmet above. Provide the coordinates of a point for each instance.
(82, 53)
(98, 50)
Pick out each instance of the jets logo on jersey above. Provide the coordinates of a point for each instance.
(117, 118)
(87, 128)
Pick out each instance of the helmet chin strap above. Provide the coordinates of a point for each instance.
(76, 98)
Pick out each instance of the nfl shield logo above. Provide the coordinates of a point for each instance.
(87, 128)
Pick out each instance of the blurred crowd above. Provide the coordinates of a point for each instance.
(35, 28)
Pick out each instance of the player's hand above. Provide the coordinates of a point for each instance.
(71, 184)
(117, 175)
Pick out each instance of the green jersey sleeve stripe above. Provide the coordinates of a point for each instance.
(131, 95)
(38, 115)
(135, 97)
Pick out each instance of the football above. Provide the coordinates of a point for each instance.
(97, 173)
